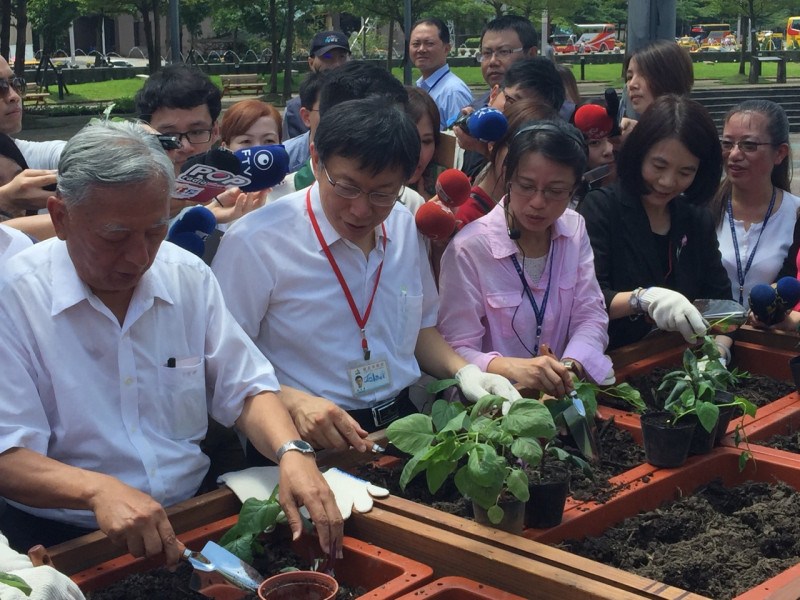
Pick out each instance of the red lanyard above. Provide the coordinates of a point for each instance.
(361, 321)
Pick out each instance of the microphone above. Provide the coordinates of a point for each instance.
(191, 230)
(513, 233)
(612, 107)
(203, 176)
(452, 188)
(486, 124)
(435, 220)
(265, 166)
(218, 158)
(788, 289)
(593, 121)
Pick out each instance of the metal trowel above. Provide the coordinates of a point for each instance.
(582, 429)
(216, 559)
(724, 316)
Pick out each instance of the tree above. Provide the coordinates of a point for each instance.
(142, 8)
(51, 19)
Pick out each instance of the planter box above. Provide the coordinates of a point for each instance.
(459, 588)
(666, 484)
(385, 574)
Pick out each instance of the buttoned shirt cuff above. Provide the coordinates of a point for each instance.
(595, 363)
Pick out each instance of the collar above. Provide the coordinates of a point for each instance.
(502, 246)
(428, 83)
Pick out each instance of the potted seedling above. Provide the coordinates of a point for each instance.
(484, 450)
(696, 395)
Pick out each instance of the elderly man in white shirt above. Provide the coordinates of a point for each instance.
(115, 348)
(334, 286)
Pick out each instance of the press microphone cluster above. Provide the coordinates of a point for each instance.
(486, 124)
(435, 219)
(191, 230)
(770, 303)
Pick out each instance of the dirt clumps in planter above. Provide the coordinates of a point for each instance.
(789, 443)
(719, 542)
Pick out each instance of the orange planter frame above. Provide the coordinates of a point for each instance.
(459, 588)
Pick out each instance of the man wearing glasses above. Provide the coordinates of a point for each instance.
(429, 46)
(339, 285)
(329, 49)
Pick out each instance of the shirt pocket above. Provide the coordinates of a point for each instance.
(500, 310)
(184, 396)
(409, 321)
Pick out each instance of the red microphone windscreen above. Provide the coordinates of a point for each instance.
(435, 221)
(453, 187)
(593, 121)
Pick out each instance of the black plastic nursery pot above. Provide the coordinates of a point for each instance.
(666, 443)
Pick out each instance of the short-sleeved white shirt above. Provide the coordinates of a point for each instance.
(281, 288)
(82, 389)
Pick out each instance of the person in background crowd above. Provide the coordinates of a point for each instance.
(429, 46)
(662, 67)
(573, 96)
(423, 111)
(329, 49)
(523, 275)
(755, 214)
(138, 336)
(594, 122)
(250, 123)
(655, 249)
(298, 147)
(344, 260)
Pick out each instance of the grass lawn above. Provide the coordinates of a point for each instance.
(118, 89)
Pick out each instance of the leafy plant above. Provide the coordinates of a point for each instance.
(692, 389)
(15, 581)
(483, 449)
(255, 517)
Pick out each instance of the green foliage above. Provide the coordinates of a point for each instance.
(255, 518)
(482, 449)
(15, 581)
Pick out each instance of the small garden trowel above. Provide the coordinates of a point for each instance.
(214, 558)
(581, 427)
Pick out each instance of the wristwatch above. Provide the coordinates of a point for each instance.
(635, 301)
(298, 445)
(570, 364)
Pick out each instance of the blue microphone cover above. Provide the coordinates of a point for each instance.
(487, 124)
(788, 288)
(190, 231)
(265, 166)
(765, 304)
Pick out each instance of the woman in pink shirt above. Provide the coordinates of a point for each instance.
(523, 275)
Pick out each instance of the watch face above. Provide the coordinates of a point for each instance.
(303, 446)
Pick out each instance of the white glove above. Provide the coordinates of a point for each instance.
(610, 379)
(673, 312)
(352, 492)
(255, 482)
(475, 384)
(46, 584)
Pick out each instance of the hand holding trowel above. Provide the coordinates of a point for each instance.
(581, 426)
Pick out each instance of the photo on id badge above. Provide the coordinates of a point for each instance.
(366, 377)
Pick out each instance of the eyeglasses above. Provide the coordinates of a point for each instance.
(501, 54)
(196, 136)
(745, 146)
(350, 191)
(550, 194)
(18, 83)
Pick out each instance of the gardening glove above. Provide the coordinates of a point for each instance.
(610, 379)
(671, 311)
(352, 492)
(475, 384)
(255, 482)
(45, 582)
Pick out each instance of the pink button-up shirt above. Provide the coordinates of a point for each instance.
(483, 307)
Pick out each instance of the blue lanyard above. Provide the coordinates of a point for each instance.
(741, 275)
(538, 312)
(435, 83)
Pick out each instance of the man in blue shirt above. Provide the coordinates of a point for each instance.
(428, 47)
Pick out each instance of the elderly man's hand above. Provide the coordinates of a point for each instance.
(25, 191)
(321, 423)
(302, 484)
(135, 521)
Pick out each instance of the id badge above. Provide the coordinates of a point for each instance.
(368, 377)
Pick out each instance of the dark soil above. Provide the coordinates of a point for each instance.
(618, 452)
(160, 584)
(758, 389)
(718, 542)
(789, 442)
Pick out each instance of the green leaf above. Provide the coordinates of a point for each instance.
(528, 417)
(708, 413)
(410, 470)
(495, 514)
(438, 473)
(485, 467)
(706, 392)
(412, 433)
(434, 387)
(242, 547)
(484, 496)
(442, 412)
(517, 483)
(458, 423)
(15, 581)
(487, 403)
(748, 407)
(528, 449)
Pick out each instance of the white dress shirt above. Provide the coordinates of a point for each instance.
(12, 241)
(86, 391)
(282, 290)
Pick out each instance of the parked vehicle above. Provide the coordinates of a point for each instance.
(596, 37)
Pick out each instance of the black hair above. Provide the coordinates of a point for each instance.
(676, 117)
(666, 66)
(444, 32)
(359, 79)
(420, 104)
(554, 139)
(538, 74)
(377, 134)
(522, 26)
(178, 86)
(310, 88)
